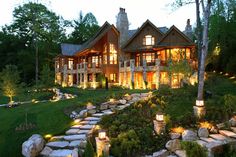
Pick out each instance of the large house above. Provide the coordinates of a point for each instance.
(131, 58)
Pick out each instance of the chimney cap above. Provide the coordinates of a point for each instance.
(122, 9)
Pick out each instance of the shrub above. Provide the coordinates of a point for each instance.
(193, 149)
(89, 151)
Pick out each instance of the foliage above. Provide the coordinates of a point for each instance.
(84, 28)
(10, 81)
(229, 105)
(193, 149)
(228, 151)
(102, 79)
(136, 120)
(89, 150)
(46, 77)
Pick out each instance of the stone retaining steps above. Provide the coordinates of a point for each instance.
(75, 138)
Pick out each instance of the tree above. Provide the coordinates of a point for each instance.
(46, 76)
(84, 28)
(35, 24)
(10, 81)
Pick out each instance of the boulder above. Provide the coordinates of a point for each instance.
(181, 153)
(174, 135)
(83, 113)
(63, 153)
(46, 151)
(161, 153)
(104, 106)
(232, 122)
(122, 101)
(33, 146)
(189, 135)
(203, 132)
(173, 145)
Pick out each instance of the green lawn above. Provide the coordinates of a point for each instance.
(50, 117)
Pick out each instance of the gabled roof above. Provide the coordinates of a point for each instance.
(72, 49)
(139, 30)
(69, 49)
(173, 28)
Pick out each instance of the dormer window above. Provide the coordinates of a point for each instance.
(148, 40)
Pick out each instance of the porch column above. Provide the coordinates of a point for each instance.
(64, 82)
(77, 74)
(157, 64)
(85, 75)
(132, 72)
(125, 74)
(80, 73)
(94, 75)
(120, 73)
(145, 83)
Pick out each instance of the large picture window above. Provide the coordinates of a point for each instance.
(113, 54)
(112, 77)
(148, 40)
(70, 63)
(149, 57)
(95, 60)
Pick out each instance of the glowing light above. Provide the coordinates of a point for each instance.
(126, 95)
(206, 125)
(112, 100)
(221, 72)
(77, 121)
(48, 136)
(179, 130)
(214, 71)
(199, 103)
(226, 74)
(232, 77)
(94, 85)
(64, 84)
(102, 135)
(160, 116)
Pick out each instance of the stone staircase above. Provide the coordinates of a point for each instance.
(75, 138)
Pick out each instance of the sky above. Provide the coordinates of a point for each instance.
(159, 12)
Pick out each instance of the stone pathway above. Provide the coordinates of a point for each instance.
(75, 138)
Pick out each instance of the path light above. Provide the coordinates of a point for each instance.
(226, 74)
(206, 125)
(112, 100)
(160, 117)
(126, 95)
(159, 124)
(179, 130)
(232, 77)
(102, 143)
(199, 109)
(102, 135)
(48, 136)
(199, 103)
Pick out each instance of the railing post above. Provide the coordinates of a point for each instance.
(157, 64)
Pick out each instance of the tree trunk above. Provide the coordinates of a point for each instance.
(199, 38)
(204, 48)
(36, 63)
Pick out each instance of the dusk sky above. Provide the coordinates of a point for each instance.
(159, 12)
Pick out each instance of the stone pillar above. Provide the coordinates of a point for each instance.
(157, 63)
(102, 146)
(145, 83)
(77, 74)
(85, 75)
(125, 73)
(159, 126)
(132, 62)
(199, 110)
(65, 81)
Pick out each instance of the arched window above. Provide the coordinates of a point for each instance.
(148, 40)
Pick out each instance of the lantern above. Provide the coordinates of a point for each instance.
(199, 103)
(102, 135)
(160, 117)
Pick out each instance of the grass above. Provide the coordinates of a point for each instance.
(49, 117)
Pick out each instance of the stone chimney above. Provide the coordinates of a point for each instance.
(122, 24)
(188, 29)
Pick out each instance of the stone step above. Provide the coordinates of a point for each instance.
(98, 114)
(87, 127)
(72, 131)
(64, 153)
(93, 122)
(84, 132)
(92, 119)
(233, 129)
(218, 137)
(76, 126)
(57, 138)
(227, 133)
(58, 144)
(75, 143)
(75, 137)
(84, 122)
(107, 112)
(208, 140)
(202, 143)
(181, 153)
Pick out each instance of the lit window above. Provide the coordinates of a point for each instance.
(187, 53)
(177, 54)
(112, 78)
(70, 63)
(164, 78)
(113, 54)
(70, 80)
(149, 57)
(148, 40)
(57, 65)
(105, 54)
(95, 60)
